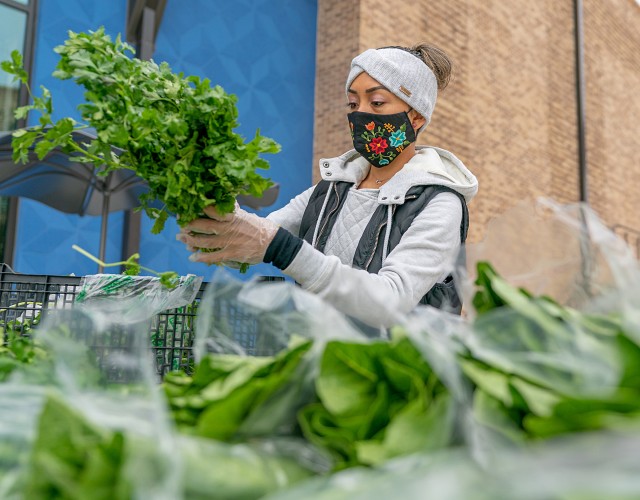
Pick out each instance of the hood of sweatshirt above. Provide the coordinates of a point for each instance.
(429, 166)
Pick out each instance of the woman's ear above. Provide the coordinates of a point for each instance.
(417, 120)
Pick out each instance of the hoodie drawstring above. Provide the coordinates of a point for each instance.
(322, 210)
(387, 233)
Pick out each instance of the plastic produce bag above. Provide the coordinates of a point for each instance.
(567, 356)
(135, 297)
(348, 392)
(20, 411)
(439, 336)
(563, 251)
(260, 317)
(586, 467)
(242, 471)
(257, 349)
(106, 383)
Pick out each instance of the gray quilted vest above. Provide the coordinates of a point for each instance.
(368, 253)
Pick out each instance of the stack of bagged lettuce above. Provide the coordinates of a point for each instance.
(324, 408)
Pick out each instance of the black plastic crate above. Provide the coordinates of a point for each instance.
(26, 299)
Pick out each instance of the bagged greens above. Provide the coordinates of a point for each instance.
(215, 470)
(377, 400)
(541, 369)
(231, 396)
(73, 460)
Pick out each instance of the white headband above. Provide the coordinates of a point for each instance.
(403, 74)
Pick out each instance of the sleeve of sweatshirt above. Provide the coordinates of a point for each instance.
(424, 255)
(289, 217)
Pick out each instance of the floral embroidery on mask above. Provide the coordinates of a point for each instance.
(397, 138)
(380, 138)
(378, 145)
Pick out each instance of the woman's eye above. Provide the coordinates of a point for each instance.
(377, 104)
(352, 105)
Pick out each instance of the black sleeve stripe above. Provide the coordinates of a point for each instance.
(283, 249)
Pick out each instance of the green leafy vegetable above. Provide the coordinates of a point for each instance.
(175, 132)
(377, 401)
(541, 369)
(227, 393)
(240, 471)
(74, 460)
(20, 352)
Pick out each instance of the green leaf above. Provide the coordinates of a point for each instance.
(489, 380)
(320, 428)
(22, 112)
(71, 458)
(221, 421)
(230, 389)
(414, 429)
(348, 376)
(630, 360)
(15, 67)
(43, 148)
(496, 418)
(159, 223)
(540, 401)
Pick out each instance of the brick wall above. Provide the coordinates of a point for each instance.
(612, 64)
(510, 112)
(337, 43)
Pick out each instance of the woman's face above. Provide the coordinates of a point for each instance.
(368, 96)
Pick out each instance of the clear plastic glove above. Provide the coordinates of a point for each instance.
(236, 237)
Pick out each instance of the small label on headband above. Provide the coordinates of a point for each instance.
(405, 91)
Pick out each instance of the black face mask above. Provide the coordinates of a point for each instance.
(380, 138)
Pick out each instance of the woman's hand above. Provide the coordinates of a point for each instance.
(236, 237)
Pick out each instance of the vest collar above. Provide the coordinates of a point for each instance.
(352, 167)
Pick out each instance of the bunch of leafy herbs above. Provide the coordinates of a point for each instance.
(175, 132)
(541, 369)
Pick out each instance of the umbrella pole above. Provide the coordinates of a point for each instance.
(103, 230)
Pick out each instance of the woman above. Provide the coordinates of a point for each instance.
(334, 238)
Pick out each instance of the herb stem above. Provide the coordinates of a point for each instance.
(96, 159)
(112, 264)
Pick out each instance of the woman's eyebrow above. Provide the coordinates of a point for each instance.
(368, 91)
(373, 89)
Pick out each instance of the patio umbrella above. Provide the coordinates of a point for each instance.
(77, 188)
(69, 186)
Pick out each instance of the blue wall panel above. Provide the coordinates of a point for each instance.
(263, 51)
(45, 236)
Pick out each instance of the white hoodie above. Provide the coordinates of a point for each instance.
(423, 257)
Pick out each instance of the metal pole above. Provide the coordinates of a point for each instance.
(585, 239)
(581, 102)
(103, 229)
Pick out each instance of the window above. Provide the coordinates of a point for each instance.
(13, 25)
(17, 27)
